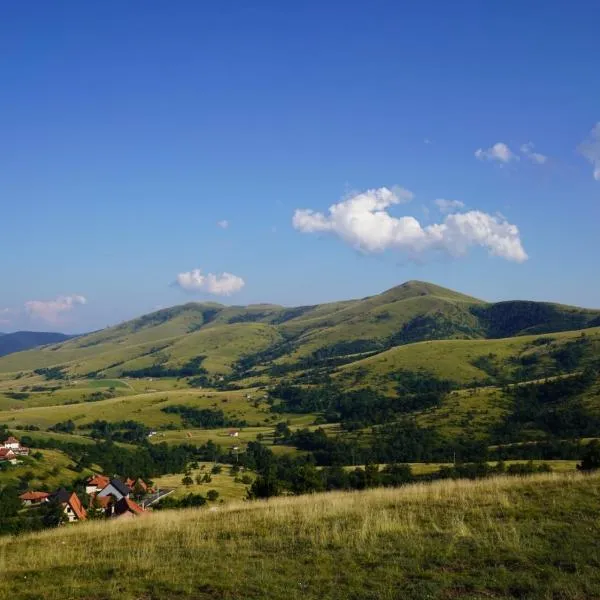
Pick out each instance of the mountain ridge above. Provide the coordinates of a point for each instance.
(19, 341)
(266, 334)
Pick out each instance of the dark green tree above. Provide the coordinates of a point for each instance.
(591, 458)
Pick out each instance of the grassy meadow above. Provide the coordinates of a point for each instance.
(501, 538)
(450, 359)
(52, 470)
(223, 482)
(144, 407)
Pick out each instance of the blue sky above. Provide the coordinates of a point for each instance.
(128, 131)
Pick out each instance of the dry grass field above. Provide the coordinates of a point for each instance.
(500, 538)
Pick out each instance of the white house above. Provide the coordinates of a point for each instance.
(71, 504)
(12, 443)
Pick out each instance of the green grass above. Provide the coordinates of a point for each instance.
(53, 470)
(447, 359)
(224, 483)
(146, 408)
(502, 538)
(224, 335)
(107, 383)
(471, 413)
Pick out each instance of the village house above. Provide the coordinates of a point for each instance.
(116, 488)
(96, 483)
(134, 484)
(29, 498)
(8, 455)
(72, 506)
(233, 433)
(126, 507)
(112, 508)
(12, 443)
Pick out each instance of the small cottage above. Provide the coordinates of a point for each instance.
(8, 455)
(72, 506)
(29, 498)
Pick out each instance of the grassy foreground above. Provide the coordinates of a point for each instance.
(535, 537)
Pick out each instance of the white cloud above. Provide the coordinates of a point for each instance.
(499, 151)
(536, 157)
(52, 310)
(4, 314)
(224, 284)
(448, 206)
(364, 222)
(401, 195)
(224, 224)
(590, 149)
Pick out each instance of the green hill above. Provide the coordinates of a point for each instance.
(24, 340)
(417, 352)
(239, 341)
(498, 538)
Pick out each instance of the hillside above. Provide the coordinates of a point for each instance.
(498, 538)
(238, 342)
(25, 340)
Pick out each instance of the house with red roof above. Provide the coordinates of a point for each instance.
(96, 483)
(29, 498)
(8, 455)
(12, 443)
(71, 503)
(126, 508)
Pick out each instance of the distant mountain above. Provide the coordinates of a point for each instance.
(25, 340)
(239, 340)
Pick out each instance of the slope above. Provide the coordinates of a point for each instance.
(498, 538)
(24, 340)
(234, 341)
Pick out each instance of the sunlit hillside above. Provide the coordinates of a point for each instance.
(498, 538)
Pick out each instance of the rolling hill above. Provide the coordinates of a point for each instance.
(240, 342)
(499, 538)
(25, 340)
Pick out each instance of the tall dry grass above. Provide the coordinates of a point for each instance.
(332, 540)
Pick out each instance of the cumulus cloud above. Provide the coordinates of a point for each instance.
(499, 152)
(590, 149)
(52, 310)
(448, 206)
(364, 222)
(223, 284)
(224, 224)
(4, 314)
(535, 157)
